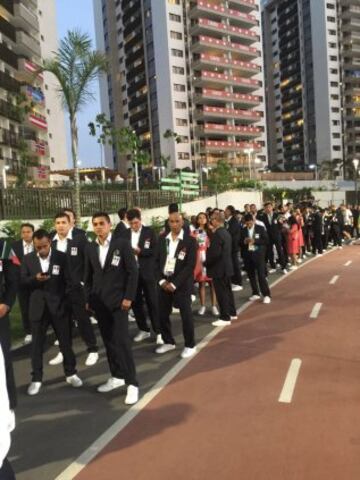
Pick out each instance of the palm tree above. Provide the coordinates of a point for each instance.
(75, 66)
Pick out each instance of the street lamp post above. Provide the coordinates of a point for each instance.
(4, 170)
(249, 152)
(356, 166)
(315, 167)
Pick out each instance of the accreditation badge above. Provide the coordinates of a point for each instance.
(170, 266)
(115, 262)
(56, 270)
(181, 255)
(73, 251)
(147, 244)
(1, 265)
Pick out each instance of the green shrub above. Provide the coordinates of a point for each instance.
(11, 229)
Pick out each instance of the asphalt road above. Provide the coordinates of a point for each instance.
(222, 411)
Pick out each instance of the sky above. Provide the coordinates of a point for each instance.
(79, 14)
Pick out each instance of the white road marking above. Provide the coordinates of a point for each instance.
(334, 279)
(315, 311)
(88, 455)
(287, 391)
(349, 262)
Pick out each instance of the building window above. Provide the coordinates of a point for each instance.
(176, 35)
(181, 122)
(178, 70)
(180, 105)
(174, 2)
(178, 87)
(175, 18)
(177, 53)
(183, 156)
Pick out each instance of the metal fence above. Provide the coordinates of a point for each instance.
(19, 204)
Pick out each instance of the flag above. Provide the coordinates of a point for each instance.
(7, 253)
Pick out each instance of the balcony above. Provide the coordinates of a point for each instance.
(246, 116)
(8, 5)
(213, 129)
(34, 94)
(211, 44)
(7, 29)
(9, 138)
(24, 17)
(213, 79)
(26, 44)
(8, 110)
(8, 56)
(9, 83)
(209, 26)
(246, 68)
(223, 146)
(248, 5)
(210, 10)
(352, 25)
(220, 96)
(38, 147)
(37, 120)
(26, 71)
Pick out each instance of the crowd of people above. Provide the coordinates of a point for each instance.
(61, 278)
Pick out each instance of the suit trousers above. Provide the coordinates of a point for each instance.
(24, 299)
(114, 329)
(336, 235)
(317, 245)
(236, 278)
(256, 270)
(77, 303)
(5, 342)
(6, 472)
(148, 289)
(183, 302)
(225, 297)
(61, 327)
(280, 252)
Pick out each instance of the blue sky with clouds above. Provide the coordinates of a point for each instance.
(79, 14)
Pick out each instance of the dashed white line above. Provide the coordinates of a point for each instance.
(315, 311)
(349, 262)
(287, 391)
(334, 279)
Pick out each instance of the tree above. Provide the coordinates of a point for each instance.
(75, 66)
(123, 140)
(221, 177)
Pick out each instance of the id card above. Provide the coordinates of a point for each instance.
(73, 251)
(115, 261)
(251, 248)
(56, 270)
(257, 235)
(1, 265)
(147, 244)
(170, 266)
(182, 255)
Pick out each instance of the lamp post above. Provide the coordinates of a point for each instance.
(4, 170)
(249, 152)
(313, 166)
(356, 166)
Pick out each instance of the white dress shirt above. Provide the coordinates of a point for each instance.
(171, 250)
(28, 247)
(135, 237)
(45, 263)
(5, 417)
(61, 244)
(103, 250)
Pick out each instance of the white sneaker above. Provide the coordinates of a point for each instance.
(188, 352)
(111, 384)
(284, 271)
(293, 267)
(175, 310)
(141, 336)
(74, 381)
(215, 311)
(221, 323)
(159, 340)
(233, 318)
(254, 297)
(132, 395)
(202, 310)
(299, 261)
(272, 270)
(236, 288)
(93, 321)
(131, 318)
(91, 359)
(193, 298)
(27, 339)
(56, 343)
(267, 300)
(166, 347)
(57, 360)
(34, 388)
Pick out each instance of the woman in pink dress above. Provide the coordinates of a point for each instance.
(293, 241)
(201, 234)
(300, 221)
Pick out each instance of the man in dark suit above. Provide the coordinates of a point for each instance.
(72, 216)
(254, 240)
(121, 229)
(274, 230)
(144, 244)
(174, 208)
(46, 273)
(74, 247)
(23, 247)
(175, 263)
(111, 276)
(317, 231)
(8, 283)
(233, 227)
(219, 267)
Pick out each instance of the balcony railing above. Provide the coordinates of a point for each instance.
(38, 120)
(226, 62)
(228, 79)
(230, 129)
(208, 111)
(7, 29)
(225, 45)
(9, 83)
(228, 146)
(221, 10)
(27, 69)
(8, 56)
(227, 29)
(39, 147)
(8, 5)
(230, 97)
(34, 93)
(7, 137)
(8, 110)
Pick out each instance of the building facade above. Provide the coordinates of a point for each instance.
(32, 141)
(303, 87)
(189, 67)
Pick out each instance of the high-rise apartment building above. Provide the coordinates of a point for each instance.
(303, 83)
(28, 34)
(192, 67)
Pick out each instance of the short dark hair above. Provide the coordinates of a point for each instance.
(173, 208)
(28, 225)
(62, 214)
(268, 203)
(122, 213)
(248, 217)
(133, 213)
(41, 233)
(101, 214)
(69, 209)
(231, 209)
